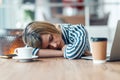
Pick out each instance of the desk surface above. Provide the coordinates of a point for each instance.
(58, 69)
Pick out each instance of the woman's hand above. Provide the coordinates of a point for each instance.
(63, 48)
(87, 53)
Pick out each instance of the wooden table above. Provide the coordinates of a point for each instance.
(58, 69)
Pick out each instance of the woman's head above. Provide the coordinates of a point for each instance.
(32, 35)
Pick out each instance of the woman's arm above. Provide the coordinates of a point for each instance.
(49, 53)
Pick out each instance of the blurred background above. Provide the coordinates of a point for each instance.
(99, 16)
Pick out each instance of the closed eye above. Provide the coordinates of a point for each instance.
(50, 38)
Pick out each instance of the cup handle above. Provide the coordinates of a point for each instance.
(15, 51)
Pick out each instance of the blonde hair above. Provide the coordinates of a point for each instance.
(32, 32)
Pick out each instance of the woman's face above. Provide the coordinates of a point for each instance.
(52, 41)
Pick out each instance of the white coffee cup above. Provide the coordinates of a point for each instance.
(24, 52)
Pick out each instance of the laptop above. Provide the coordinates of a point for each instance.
(115, 49)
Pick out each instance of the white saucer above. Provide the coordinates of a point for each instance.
(25, 59)
(19, 58)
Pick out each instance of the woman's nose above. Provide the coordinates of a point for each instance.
(53, 45)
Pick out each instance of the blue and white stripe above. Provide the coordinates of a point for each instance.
(35, 51)
(76, 40)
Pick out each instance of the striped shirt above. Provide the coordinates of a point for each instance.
(76, 40)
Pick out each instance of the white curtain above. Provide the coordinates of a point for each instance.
(9, 13)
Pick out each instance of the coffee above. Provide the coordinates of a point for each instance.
(25, 52)
(99, 48)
